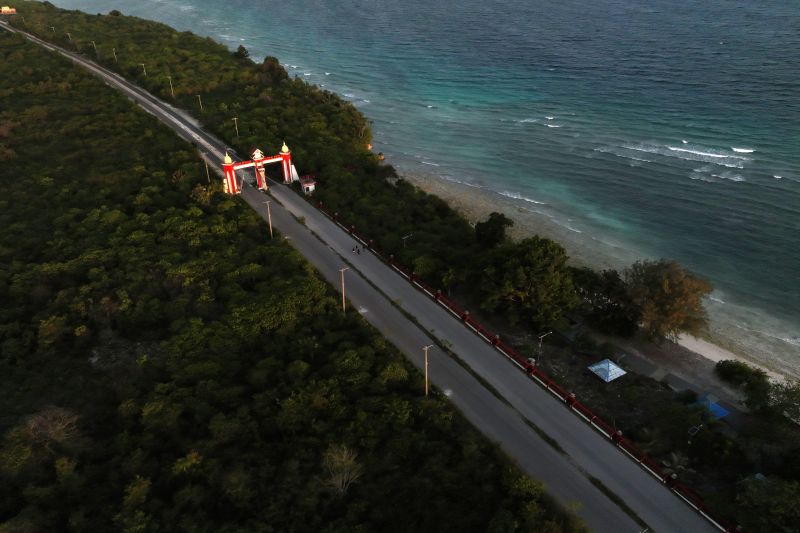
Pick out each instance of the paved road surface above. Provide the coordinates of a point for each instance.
(328, 248)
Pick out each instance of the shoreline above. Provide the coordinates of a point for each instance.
(475, 203)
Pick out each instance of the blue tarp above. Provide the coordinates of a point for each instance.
(716, 410)
(607, 370)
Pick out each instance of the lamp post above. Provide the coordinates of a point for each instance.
(236, 125)
(143, 69)
(208, 175)
(406, 237)
(201, 102)
(425, 350)
(344, 302)
(171, 89)
(539, 356)
(69, 37)
(95, 47)
(269, 219)
(114, 51)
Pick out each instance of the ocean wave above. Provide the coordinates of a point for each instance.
(550, 118)
(448, 177)
(552, 125)
(624, 156)
(713, 299)
(729, 176)
(518, 196)
(743, 150)
(327, 73)
(707, 154)
(306, 74)
(701, 156)
(528, 120)
(431, 164)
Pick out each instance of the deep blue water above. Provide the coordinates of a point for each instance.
(665, 128)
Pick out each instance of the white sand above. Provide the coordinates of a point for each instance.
(716, 353)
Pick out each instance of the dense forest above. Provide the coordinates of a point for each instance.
(519, 288)
(166, 366)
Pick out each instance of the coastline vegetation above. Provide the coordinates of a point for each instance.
(525, 285)
(164, 365)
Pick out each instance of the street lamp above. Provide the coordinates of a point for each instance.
(425, 349)
(344, 302)
(236, 125)
(144, 69)
(539, 356)
(201, 102)
(269, 219)
(406, 237)
(171, 90)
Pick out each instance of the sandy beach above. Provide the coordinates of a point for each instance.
(692, 358)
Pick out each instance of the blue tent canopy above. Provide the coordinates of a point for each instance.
(607, 370)
(716, 410)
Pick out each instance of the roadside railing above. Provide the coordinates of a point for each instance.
(537, 375)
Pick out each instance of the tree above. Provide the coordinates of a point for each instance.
(342, 468)
(493, 231)
(770, 504)
(241, 53)
(670, 297)
(610, 307)
(754, 382)
(529, 282)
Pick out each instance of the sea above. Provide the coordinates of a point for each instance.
(642, 129)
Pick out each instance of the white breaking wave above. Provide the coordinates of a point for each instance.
(684, 141)
(743, 150)
(431, 164)
(528, 120)
(702, 156)
(327, 73)
(518, 196)
(707, 154)
(624, 156)
(729, 176)
(552, 125)
(550, 118)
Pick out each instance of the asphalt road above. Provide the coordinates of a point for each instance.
(566, 475)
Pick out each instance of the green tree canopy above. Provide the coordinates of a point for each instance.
(492, 232)
(529, 282)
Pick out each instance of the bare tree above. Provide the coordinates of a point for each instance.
(51, 425)
(342, 467)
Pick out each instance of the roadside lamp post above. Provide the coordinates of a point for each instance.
(425, 350)
(208, 175)
(236, 125)
(406, 237)
(53, 28)
(344, 302)
(269, 219)
(95, 47)
(143, 69)
(201, 102)
(114, 51)
(172, 90)
(69, 37)
(539, 356)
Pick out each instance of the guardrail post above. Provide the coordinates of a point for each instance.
(412, 276)
(465, 316)
(496, 340)
(571, 399)
(671, 480)
(391, 259)
(616, 437)
(371, 244)
(438, 295)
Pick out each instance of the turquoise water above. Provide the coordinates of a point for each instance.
(666, 128)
